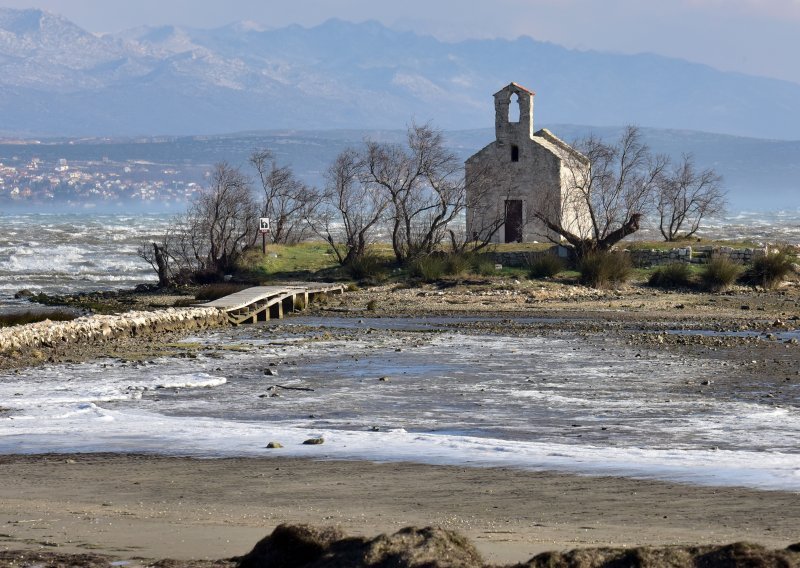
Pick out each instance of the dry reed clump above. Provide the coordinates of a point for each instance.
(770, 270)
(720, 273)
(603, 269)
(545, 266)
(673, 275)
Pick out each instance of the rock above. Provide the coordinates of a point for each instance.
(274, 445)
(314, 441)
(24, 294)
(384, 379)
(706, 382)
(271, 372)
(291, 546)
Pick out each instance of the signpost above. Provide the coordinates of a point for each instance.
(263, 228)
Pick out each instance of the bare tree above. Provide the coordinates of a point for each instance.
(425, 187)
(351, 208)
(219, 224)
(686, 197)
(287, 201)
(613, 184)
(157, 256)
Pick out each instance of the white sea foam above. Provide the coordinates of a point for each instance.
(131, 431)
(537, 403)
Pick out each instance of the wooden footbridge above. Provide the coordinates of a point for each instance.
(262, 303)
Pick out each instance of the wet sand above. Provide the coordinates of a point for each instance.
(157, 507)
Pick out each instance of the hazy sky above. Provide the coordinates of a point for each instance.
(760, 37)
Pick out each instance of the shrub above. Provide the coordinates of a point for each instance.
(673, 275)
(372, 305)
(367, 267)
(545, 266)
(770, 270)
(720, 273)
(212, 292)
(600, 269)
(482, 265)
(456, 264)
(428, 268)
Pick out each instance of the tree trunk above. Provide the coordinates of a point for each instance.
(162, 268)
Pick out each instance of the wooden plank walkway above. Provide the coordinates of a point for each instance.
(262, 303)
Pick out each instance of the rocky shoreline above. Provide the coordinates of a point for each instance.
(636, 314)
(54, 341)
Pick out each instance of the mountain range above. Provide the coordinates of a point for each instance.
(57, 79)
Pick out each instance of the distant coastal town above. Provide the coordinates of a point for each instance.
(40, 182)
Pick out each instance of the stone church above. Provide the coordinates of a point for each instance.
(521, 173)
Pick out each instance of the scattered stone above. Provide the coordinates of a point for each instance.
(314, 441)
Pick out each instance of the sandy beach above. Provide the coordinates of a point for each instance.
(156, 507)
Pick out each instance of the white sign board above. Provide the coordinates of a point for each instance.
(263, 225)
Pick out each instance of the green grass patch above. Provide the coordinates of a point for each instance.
(288, 260)
(694, 243)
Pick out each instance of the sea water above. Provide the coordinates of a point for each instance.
(400, 390)
(67, 253)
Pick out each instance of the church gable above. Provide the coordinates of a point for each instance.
(516, 175)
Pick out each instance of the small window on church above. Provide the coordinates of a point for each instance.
(514, 153)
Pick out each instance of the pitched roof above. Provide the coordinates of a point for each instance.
(515, 87)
